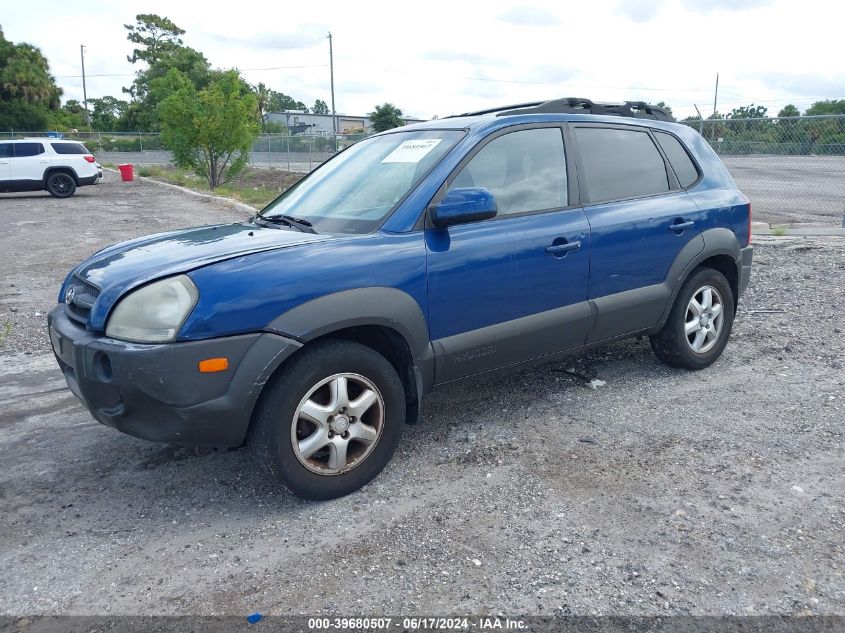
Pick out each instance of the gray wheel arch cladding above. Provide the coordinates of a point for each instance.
(377, 305)
(715, 241)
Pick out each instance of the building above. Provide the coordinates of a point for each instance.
(299, 122)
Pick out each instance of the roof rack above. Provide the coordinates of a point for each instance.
(576, 105)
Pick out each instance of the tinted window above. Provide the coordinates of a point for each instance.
(525, 170)
(620, 163)
(28, 149)
(679, 159)
(5, 150)
(69, 148)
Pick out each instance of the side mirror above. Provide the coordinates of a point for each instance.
(468, 204)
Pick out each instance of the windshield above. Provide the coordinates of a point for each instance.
(355, 191)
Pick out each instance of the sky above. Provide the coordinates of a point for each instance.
(437, 58)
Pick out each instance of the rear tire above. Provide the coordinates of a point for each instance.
(330, 421)
(60, 184)
(699, 325)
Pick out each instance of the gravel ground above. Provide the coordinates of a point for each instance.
(661, 492)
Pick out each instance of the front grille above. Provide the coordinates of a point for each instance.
(84, 296)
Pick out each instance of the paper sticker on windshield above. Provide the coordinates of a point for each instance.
(411, 151)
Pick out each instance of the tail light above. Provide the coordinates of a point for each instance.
(89, 158)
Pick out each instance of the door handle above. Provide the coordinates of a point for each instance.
(680, 226)
(560, 250)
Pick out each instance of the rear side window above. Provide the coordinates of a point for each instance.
(69, 148)
(525, 170)
(678, 157)
(28, 149)
(5, 150)
(620, 164)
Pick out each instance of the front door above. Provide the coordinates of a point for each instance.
(514, 287)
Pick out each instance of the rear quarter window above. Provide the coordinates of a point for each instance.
(69, 148)
(5, 150)
(620, 164)
(27, 149)
(679, 158)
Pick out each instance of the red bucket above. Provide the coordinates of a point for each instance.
(127, 173)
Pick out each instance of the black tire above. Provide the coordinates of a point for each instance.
(60, 184)
(270, 435)
(672, 345)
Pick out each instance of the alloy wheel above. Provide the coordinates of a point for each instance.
(337, 424)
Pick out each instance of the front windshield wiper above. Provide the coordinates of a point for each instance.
(299, 224)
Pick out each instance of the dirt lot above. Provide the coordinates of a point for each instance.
(662, 492)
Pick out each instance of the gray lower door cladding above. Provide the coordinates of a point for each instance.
(511, 342)
(630, 311)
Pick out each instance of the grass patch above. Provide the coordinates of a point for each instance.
(779, 231)
(7, 329)
(255, 187)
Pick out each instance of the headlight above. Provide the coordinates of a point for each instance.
(154, 313)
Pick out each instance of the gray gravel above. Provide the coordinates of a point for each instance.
(661, 492)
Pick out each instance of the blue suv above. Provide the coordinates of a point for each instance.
(417, 257)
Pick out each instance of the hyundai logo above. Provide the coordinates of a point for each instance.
(69, 295)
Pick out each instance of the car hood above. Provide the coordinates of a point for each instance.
(127, 265)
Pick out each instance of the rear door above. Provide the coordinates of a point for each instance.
(640, 221)
(5, 156)
(29, 161)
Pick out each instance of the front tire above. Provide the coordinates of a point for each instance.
(699, 325)
(330, 421)
(60, 185)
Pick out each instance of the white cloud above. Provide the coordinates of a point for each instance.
(474, 59)
(522, 15)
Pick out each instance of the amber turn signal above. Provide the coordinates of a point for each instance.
(213, 364)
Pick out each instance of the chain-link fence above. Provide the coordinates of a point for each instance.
(298, 153)
(791, 168)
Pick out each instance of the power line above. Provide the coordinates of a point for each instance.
(241, 69)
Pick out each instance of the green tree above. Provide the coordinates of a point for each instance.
(748, 112)
(160, 47)
(210, 131)
(830, 106)
(156, 36)
(320, 107)
(789, 110)
(386, 117)
(279, 101)
(28, 92)
(107, 112)
(262, 99)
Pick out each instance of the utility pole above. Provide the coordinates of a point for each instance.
(84, 89)
(331, 74)
(716, 95)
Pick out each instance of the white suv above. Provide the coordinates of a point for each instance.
(55, 165)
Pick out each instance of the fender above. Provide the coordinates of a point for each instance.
(383, 306)
(717, 241)
(63, 168)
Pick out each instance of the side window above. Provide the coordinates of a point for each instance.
(28, 149)
(525, 170)
(678, 157)
(620, 163)
(5, 150)
(69, 148)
